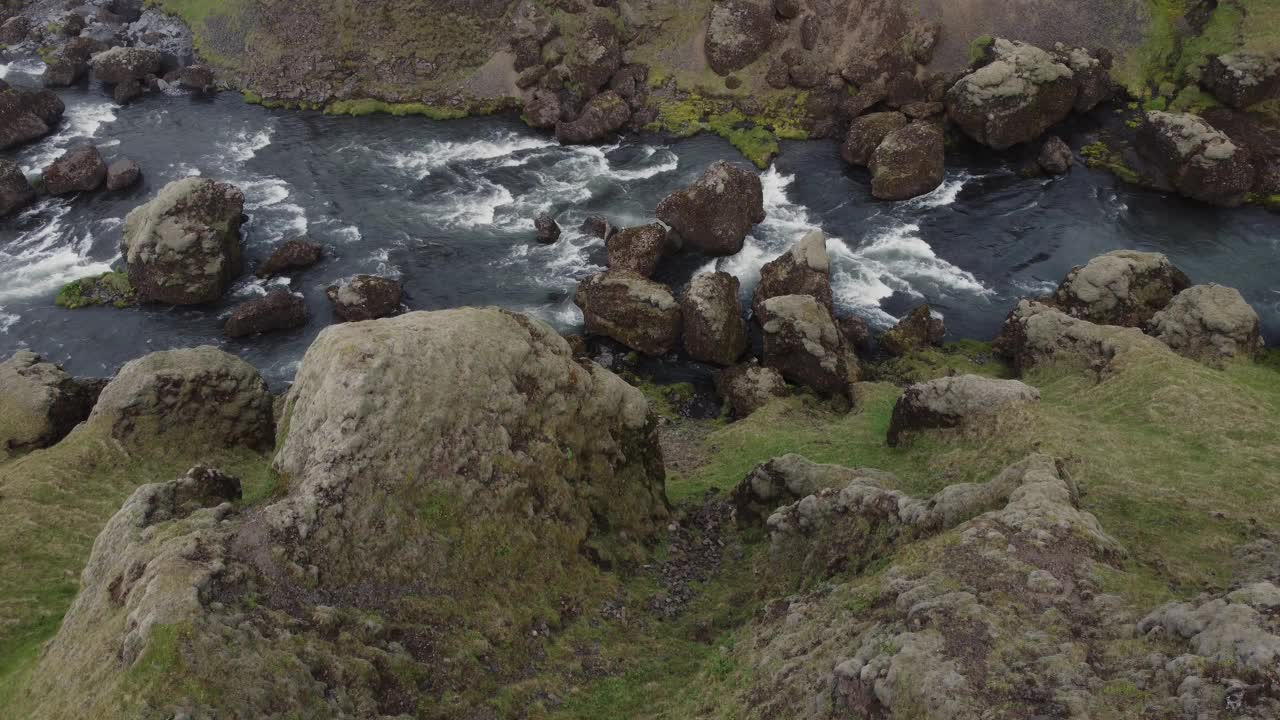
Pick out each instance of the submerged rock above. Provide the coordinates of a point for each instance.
(291, 255)
(78, 170)
(1199, 161)
(715, 214)
(1210, 324)
(714, 330)
(1021, 93)
(749, 387)
(802, 342)
(15, 191)
(1124, 287)
(278, 310)
(954, 401)
(548, 231)
(1055, 157)
(802, 270)
(39, 403)
(637, 312)
(183, 247)
(365, 297)
(909, 162)
(917, 331)
(637, 249)
(123, 174)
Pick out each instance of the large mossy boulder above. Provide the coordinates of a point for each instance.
(802, 342)
(714, 214)
(738, 33)
(602, 116)
(714, 330)
(1209, 323)
(748, 387)
(637, 249)
(954, 401)
(1015, 97)
(27, 115)
(1242, 79)
(1196, 159)
(39, 403)
(805, 269)
(1124, 287)
(635, 311)
(909, 162)
(122, 64)
(183, 247)
(1036, 334)
(919, 330)
(866, 133)
(450, 476)
(365, 297)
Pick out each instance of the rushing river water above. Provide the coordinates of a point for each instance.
(448, 208)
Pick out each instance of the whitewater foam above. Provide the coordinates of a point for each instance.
(80, 122)
(942, 196)
(246, 143)
(47, 257)
(472, 209)
(439, 153)
(7, 320)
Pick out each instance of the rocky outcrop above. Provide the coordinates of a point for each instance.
(1236, 630)
(201, 397)
(1014, 98)
(715, 214)
(1124, 287)
(503, 479)
(738, 33)
(1198, 161)
(122, 64)
(78, 170)
(14, 30)
(867, 132)
(637, 312)
(602, 116)
(15, 191)
(183, 247)
(290, 256)
(909, 162)
(1091, 74)
(1242, 79)
(62, 71)
(748, 387)
(787, 479)
(39, 403)
(802, 270)
(1055, 157)
(277, 310)
(637, 249)
(123, 174)
(954, 401)
(714, 330)
(547, 230)
(917, 331)
(595, 56)
(1210, 324)
(803, 343)
(365, 297)
(1035, 334)
(27, 115)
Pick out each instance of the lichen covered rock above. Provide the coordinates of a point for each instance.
(39, 403)
(639, 313)
(289, 256)
(917, 331)
(15, 191)
(365, 297)
(784, 480)
(714, 330)
(909, 162)
(803, 343)
(603, 115)
(1210, 324)
(1055, 157)
(123, 174)
(27, 115)
(866, 133)
(77, 170)
(1242, 79)
(1198, 160)
(1124, 287)
(715, 214)
(1035, 334)
(738, 32)
(803, 270)
(184, 246)
(637, 249)
(122, 64)
(748, 387)
(954, 401)
(1021, 93)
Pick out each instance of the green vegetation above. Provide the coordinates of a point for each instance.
(1101, 156)
(966, 357)
(979, 47)
(112, 288)
(782, 117)
(220, 28)
(360, 108)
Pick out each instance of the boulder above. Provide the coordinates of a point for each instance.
(1014, 98)
(909, 162)
(637, 249)
(15, 30)
(462, 454)
(803, 343)
(126, 91)
(1234, 629)
(542, 109)
(548, 231)
(39, 403)
(365, 297)
(802, 270)
(291, 255)
(80, 169)
(714, 214)
(27, 115)
(603, 115)
(1091, 75)
(596, 54)
(1210, 324)
(866, 133)
(123, 174)
(789, 478)
(1055, 157)
(714, 330)
(856, 333)
(15, 191)
(917, 331)
(1124, 287)
(635, 311)
(201, 397)
(62, 71)
(1198, 160)
(1242, 79)
(183, 247)
(277, 310)
(953, 401)
(738, 33)
(923, 110)
(1035, 334)
(749, 387)
(598, 226)
(120, 64)
(788, 9)
(195, 77)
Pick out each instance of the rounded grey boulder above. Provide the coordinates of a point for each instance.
(39, 403)
(1210, 324)
(1021, 93)
(802, 270)
(121, 64)
(715, 214)
(953, 401)
(803, 343)
(909, 162)
(1124, 287)
(714, 330)
(635, 311)
(749, 387)
(637, 249)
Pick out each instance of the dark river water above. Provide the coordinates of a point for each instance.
(448, 208)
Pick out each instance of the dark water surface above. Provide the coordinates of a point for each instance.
(448, 208)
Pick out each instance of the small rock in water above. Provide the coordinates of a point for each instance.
(295, 254)
(548, 229)
(276, 311)
(1055, 157)
(122, 174)
(126, 91)
(15, 191)
(598, 226)
(78, 170)
(365, 297)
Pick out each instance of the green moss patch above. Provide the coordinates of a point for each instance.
(111, 288)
